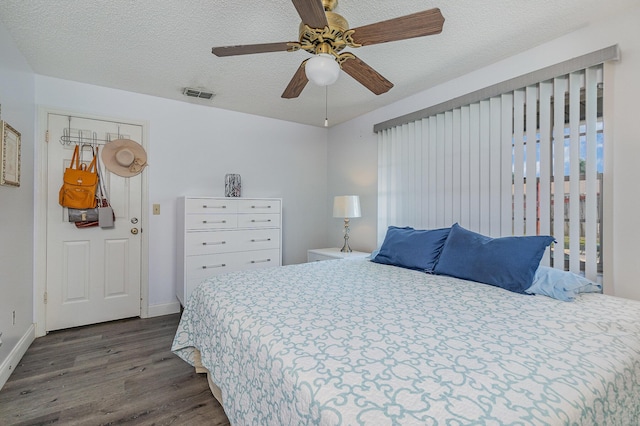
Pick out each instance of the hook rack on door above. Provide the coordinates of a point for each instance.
(80, 137)
(84, 137)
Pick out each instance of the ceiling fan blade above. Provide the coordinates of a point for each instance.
(417, 24)
(247, 49)
(366, 75)
(297, 83)
(311, 12)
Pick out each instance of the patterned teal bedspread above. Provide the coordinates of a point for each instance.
(348, 342)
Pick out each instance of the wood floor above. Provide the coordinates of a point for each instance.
(121, 372)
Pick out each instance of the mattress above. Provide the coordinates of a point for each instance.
(347, 342)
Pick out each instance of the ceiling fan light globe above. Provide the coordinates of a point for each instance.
(322, 69)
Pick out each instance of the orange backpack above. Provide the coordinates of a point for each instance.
(79, 184)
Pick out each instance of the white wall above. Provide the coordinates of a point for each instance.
(16, 211)
(353, 170)
(192, 147)
(352, 155)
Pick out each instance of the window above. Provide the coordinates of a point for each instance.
(559, 159)
(471, 164)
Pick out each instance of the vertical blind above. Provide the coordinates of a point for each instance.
(525, 162)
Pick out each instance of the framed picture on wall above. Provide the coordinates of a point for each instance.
(9, 155)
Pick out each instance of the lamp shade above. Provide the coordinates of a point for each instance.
(346, 206)
(322, 69)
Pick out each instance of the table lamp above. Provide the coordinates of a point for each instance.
(346, 206)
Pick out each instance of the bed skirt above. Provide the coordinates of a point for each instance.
(215, 390)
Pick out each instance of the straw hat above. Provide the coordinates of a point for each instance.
(124, 157)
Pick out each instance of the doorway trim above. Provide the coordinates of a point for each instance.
(40, 205)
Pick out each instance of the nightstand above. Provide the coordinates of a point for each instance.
(316, 255)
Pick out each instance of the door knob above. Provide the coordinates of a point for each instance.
(134, 231)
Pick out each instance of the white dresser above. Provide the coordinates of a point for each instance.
(218, 235)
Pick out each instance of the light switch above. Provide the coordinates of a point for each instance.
(156, 209)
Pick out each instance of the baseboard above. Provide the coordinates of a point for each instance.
(16, 354)
(165, 309)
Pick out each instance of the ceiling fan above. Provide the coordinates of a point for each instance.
(325, 34)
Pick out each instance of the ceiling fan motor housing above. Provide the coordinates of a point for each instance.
(333, 35)
(329, 5)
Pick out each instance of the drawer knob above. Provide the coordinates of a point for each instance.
(214, 243)
(213, 207)
(261, 261)
(214, 221)
(222, 265)
(260, 207)
(262, 240)
(262, 220)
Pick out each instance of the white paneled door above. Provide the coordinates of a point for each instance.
(93, 274)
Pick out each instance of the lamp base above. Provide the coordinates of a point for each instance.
(345, 248)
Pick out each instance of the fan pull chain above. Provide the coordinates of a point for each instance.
(326, 101)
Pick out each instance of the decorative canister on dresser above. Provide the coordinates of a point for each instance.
(232, 185)
(218, 235)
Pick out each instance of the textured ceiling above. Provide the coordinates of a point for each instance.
(158, 47)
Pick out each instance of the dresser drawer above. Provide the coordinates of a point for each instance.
(230, 241)
(211, 205)
(257, 220)
(232, 262)
(258, 206)
(211, 221)
(317, 257)
(202, 267)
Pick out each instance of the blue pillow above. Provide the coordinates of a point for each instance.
(561, 285)
(412, 248)
(507, 262)
(373, 254)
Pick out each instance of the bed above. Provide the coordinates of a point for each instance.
(353, 342)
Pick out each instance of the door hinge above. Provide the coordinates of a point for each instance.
(45, 297)
(46, 136)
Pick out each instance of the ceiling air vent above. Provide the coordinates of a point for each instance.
(195, 93)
